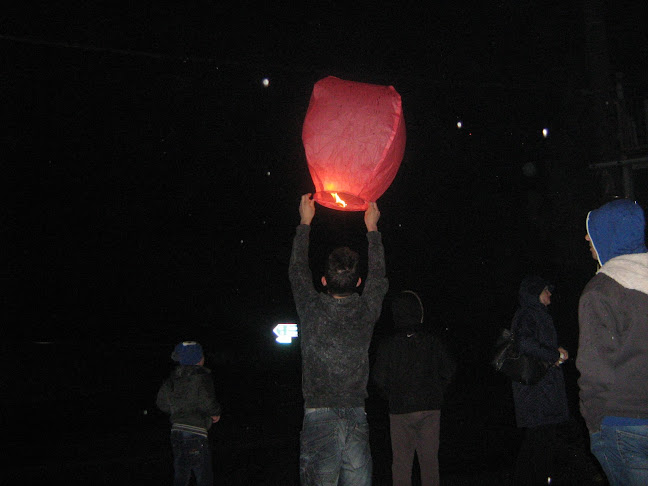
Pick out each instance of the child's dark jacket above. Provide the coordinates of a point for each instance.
(188, 396)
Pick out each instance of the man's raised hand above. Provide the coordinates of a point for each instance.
(306, 209)
(372, 215)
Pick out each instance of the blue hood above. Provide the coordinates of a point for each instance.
(617, 228)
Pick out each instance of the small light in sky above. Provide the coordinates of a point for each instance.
(265, 82)
(459, 124)
(545, 132)
(241, 242)
(268, 173)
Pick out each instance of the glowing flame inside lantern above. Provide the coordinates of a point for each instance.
(338, 201)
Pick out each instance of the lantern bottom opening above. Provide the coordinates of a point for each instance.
(343, 201)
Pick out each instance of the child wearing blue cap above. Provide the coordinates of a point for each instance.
(188, 396)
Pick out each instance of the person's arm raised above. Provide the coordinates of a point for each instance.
(306, 209)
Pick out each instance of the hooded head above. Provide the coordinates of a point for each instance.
(530, 289)
(617, 228)
(187, 353)
(407, 310)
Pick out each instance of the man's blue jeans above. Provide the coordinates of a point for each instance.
(334, 449)
(623, 453)
(191, 452)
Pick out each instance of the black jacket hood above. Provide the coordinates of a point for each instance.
(530, 290)
(407, 310)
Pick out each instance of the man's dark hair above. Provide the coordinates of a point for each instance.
(342, 271)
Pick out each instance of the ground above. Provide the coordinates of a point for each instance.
(110, 438)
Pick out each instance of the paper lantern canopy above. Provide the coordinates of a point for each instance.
(354, 137)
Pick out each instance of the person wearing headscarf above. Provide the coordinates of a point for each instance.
(541, 407)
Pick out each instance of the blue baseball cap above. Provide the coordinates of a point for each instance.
(187, 353)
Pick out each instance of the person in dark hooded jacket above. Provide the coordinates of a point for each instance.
(413, 369)
(540, 407)
(613, 343)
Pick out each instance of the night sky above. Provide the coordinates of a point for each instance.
(153, 181)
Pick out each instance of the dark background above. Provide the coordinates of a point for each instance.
(152, 185)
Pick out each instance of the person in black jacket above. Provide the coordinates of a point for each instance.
(413, 369)
(540, 407)
(188, 396)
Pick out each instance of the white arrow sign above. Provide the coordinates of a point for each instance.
(285, 333)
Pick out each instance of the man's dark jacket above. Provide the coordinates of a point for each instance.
(413, 367)
(335, 333)
(613, 318)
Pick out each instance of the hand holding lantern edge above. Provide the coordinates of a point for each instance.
(306, 209)
(372, 215)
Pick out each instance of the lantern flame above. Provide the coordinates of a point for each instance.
(338, 201)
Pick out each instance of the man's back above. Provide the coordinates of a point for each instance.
(413, 369)
(613, 350)
(336, 332)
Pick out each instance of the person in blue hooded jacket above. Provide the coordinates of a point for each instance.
(541, 407)
(613, 343)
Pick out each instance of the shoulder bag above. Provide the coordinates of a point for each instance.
(518, 366)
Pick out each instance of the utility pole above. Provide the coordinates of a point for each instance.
(598, 70)
(602, 139)
(618, 152)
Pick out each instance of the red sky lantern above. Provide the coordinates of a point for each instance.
(354, 137)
